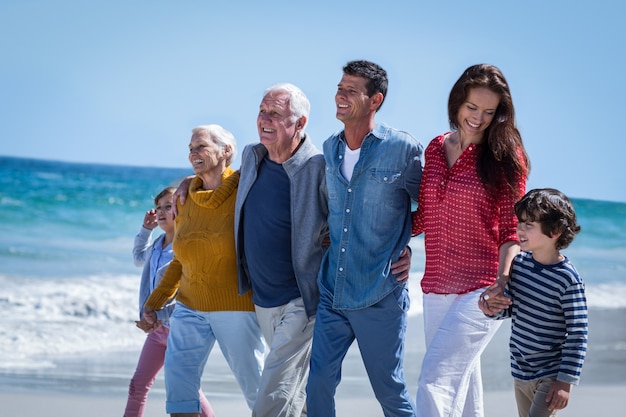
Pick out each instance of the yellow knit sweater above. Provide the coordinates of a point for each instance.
(204, 268)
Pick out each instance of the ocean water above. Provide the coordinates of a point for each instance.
(67, 281)
(68, 286)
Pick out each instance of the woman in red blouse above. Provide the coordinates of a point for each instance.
(472, 178)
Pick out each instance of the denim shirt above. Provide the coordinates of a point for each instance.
(369, 216)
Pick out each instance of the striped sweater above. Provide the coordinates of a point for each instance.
(549, 320)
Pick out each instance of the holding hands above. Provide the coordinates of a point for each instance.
(493, 300)
(149, 322)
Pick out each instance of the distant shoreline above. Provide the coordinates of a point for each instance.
(188, 171)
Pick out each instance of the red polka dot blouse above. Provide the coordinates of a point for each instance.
(463, 224)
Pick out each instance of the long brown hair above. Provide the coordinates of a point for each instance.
(503, 159)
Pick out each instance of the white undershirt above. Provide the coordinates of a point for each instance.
(350, 158)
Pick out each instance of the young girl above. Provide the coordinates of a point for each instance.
(154, 257)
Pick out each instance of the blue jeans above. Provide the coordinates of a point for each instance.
(379, 330)
(192, 336)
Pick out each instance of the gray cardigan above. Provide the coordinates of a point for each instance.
(309, 212)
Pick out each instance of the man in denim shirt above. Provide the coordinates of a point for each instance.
(372, 173)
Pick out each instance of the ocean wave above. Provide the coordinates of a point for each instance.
(45, 318)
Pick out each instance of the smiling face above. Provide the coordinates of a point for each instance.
(205, 155)
(352, 100)
(532, 238)
(278, 130)
(476, 113)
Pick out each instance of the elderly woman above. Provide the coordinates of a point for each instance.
(203, 275)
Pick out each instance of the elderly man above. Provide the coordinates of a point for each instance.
(280, 225)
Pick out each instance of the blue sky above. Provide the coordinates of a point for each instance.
(124, 82)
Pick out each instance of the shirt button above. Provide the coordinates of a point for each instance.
(349, 190)
(343, 249)
(385, 178)
(345, 229)
(340, 156)
(347, 210)
(340, 269)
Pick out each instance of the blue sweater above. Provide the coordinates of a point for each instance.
(549, 320)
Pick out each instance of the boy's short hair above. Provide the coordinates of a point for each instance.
(163, 193)
(553, 210)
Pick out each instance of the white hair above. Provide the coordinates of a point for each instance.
(298, 102)
(221, 137)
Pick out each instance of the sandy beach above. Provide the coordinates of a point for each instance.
(585, 401)
(602, 390)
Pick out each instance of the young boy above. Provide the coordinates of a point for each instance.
(154, 257)
(547, 306)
